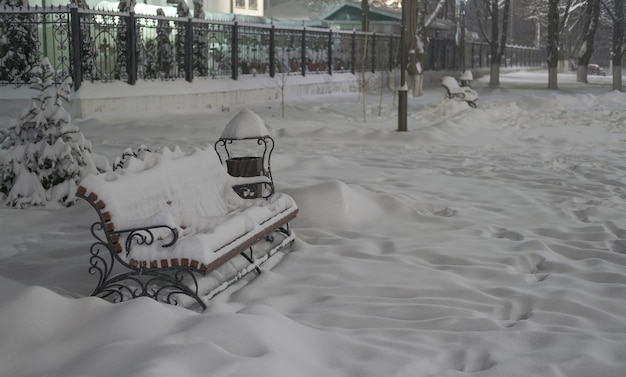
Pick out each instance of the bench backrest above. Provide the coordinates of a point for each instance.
(450, 84)
(175, 183)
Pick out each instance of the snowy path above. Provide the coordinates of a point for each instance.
(486, 242)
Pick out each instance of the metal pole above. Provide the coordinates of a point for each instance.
(330, 51)
(131, 47)
(353, 53)
(189, 50)
(76, 39)
(462, 36)
(234, 52)
(303, 53)
(403, 90)
(272, 51)
(374, 52)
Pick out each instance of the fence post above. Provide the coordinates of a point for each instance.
(330, 51)
(374, 53)
(189, 50)
(303, 52)
(353, 57)
(77, 59)
(131, 47)
(390, 52)
(272, 51)
(234, 56)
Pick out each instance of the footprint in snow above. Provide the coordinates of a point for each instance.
(513, 310)
(464, 358)
(503, 233)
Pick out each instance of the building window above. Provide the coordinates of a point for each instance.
(252, 4)
(240, 4)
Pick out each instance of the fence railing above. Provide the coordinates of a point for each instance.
(104, 46)
(446, 54)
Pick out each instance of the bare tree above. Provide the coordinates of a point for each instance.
(494, 32)
(418, 23)
(617, 43)
(411, 43)
(557, 19)
(591, 16)
(553, 43)
(363, 81)
(281, 85)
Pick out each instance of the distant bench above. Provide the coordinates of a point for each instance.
(174, 217)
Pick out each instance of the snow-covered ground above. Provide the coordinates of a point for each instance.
(483, 242)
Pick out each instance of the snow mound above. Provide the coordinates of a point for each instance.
(245, 125)
(334, 204)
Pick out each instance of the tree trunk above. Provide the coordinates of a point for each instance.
(494, 75)
(592, 15)
(413, 68)
(617, 77)
(497, 41)
(365, 18)
(494, 80)
(617, 45)
(552, 77)
(581, 72)
(553, 43)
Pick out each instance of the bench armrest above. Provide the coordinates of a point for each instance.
(146, 236)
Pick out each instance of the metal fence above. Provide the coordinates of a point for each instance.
(446, 54)
(103, 46)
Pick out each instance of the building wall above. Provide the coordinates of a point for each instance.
(223, 6)
(244, 7)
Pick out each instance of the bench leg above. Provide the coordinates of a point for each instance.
(165, 284)
(160, 285)
(250, 259)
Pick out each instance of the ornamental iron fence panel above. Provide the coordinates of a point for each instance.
(316, 51)
(29, 35)
(103, 46)
(343, 52)
(288, 50)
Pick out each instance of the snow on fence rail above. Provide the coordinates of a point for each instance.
(105, 46)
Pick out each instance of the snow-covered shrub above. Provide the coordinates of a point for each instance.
(43, 155)
(136, 160)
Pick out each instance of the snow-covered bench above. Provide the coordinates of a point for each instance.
(459, 93)
(173, 221)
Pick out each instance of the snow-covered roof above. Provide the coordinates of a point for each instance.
(140, 8)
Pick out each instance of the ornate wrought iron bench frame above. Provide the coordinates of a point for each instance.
(166, 279)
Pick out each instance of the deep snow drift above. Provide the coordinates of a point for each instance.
(483, 242)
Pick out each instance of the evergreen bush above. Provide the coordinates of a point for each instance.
(44, 156)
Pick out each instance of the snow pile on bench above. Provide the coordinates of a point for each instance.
(190, 192)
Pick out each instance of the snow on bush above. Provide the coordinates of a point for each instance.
(43, 155)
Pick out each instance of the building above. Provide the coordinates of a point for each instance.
(239, 7)
(349, 16)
